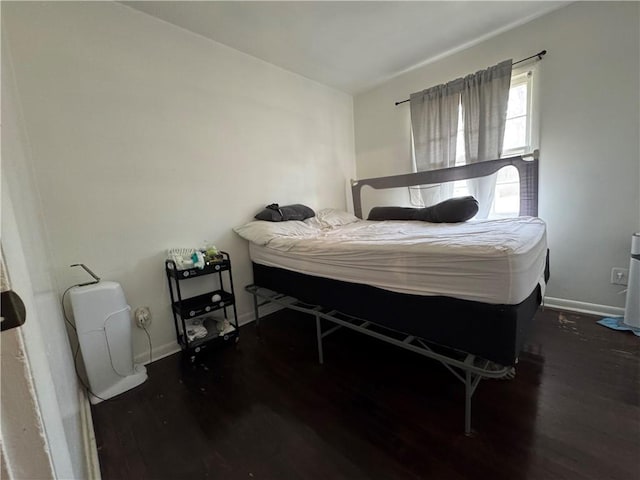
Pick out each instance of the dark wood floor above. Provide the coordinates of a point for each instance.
(266, 409)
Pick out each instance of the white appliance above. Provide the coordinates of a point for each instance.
(104, 331)
(632, 306)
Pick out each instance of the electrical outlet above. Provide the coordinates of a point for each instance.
(619, 276)
(142, 316)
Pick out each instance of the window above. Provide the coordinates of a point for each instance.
(519, 138)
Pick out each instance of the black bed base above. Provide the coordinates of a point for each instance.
(493, 332)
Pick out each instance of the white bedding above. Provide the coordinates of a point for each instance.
(493, 261)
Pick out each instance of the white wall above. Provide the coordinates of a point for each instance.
(147, 137)
(590, 114)
(48, 354)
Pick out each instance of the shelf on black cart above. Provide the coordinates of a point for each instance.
(215, 337)
(215, 267)
(202, 304)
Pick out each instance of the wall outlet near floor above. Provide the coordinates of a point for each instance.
(619, 276)
(142, 316)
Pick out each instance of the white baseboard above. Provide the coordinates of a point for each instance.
(159, 352)
(583, 307)
(89, 438)
(162, 351)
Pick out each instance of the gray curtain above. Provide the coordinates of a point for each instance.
(434, 125)
(434, 122)
(485, 95)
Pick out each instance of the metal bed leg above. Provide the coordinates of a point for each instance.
(467, 403)
(319, 336)
(256, 313)
(468, 395)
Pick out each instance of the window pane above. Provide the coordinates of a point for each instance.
(517, 101)
(515, 133)
(460, 155)
(506, 202)
(460, 150)
(507, 199)
(508, 174)
(460, 188)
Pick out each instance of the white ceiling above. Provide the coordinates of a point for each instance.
(350, 46)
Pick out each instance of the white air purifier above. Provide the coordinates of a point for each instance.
(104, 331)
(632, 306)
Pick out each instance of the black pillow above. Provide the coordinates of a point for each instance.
(276, 213)
(393, 213)
(453, 210)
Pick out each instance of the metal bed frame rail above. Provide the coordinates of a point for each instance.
(469, 369)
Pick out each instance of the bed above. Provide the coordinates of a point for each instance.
(464, 294)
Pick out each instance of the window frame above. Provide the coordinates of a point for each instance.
(526, 75)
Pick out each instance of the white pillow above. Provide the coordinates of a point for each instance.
(332, 217)
(261, 232)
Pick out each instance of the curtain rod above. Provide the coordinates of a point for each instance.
(539, 55)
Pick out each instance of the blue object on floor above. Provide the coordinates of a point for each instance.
(617, 323)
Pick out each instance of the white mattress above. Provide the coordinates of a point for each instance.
(493, 261)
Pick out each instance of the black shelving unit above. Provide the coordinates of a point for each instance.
(201, 305)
